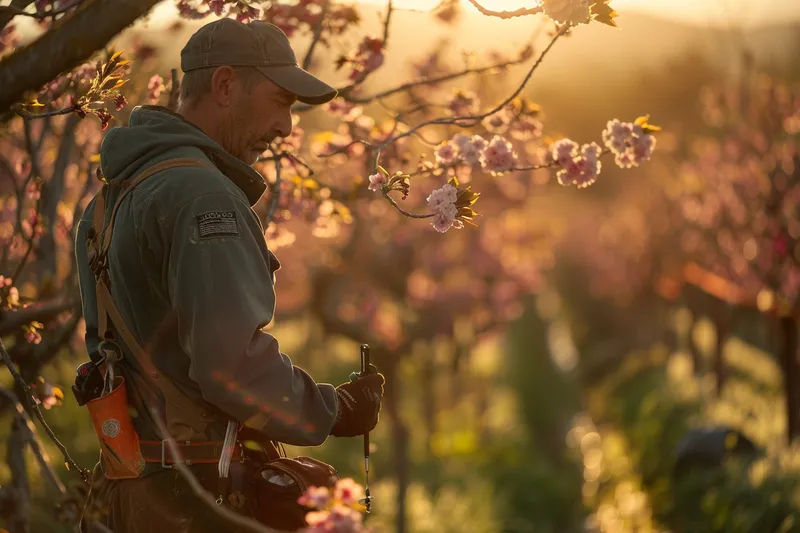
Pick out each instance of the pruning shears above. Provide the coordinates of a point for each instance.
(365, 369)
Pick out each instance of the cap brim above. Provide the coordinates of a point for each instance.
(308, 88)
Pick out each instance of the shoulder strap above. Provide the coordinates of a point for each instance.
(99, 242)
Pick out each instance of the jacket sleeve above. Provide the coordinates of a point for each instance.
(221, 287)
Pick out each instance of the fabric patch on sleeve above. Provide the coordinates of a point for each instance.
(217, 224)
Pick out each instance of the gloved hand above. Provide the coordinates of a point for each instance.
(359, 404)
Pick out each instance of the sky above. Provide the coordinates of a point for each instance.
(716, 12)
(744, 13)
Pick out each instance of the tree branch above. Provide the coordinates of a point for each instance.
(431, 81)
(521, 12)
(365, 74)
(84, 474)
(326, 5)
(15, 457)
(276, 192)
(27, 115)
(175, 91)
(36, 447)
(8, 15)
(66, 46)
(468, 121)
(11, 321)
(41, 15)
(206, 497)
(406, 213)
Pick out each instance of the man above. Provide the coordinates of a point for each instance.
(191, 278)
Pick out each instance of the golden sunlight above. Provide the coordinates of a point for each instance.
(718, 11)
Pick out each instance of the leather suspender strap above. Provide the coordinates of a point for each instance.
(129, 186)
(97, 222)
(106, 308)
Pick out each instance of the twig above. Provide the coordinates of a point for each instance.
(406, 213)
(533, 167)
(386, 22)
(299, 161)
(521, 12)
(205, 496)
(39, 14)
(8, 15)
(35, 408)
(343, 149)
(326, 4)
(36, 172)
(38, 451)
(459, 121)
(27, 115)
(175, 90)
(365, 74)
(431, 81)
(276, 191)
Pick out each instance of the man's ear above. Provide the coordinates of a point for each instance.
(222, 85)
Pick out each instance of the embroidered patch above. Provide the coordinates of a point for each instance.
(217, 224)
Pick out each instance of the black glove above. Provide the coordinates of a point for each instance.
(359, 405)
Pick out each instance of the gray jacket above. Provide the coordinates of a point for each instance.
(193, 278)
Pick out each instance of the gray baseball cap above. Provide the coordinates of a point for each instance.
(256, 44)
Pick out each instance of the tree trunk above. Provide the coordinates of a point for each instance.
(791, 375)
(429, 409)
(19, 521)
(694, 352)
(66, 46)
(722, 326)
(399, 442)
(52, 193)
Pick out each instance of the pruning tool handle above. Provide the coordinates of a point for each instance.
(366, 368)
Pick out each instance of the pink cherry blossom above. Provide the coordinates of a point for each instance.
(315, 497)
(446, 153)
(376, 181)
(498, 156)
(441, 197)
(628, 142)
(348, 492)
(581, 170)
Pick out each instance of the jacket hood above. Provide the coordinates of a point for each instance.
(152, 131)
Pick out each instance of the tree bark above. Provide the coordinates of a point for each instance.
(13, 320)
(52, 193)
(6, 16)
(19, 521)
(791, 375)
(694, 352)
(66, 46)
(399, 443)
(722, 325)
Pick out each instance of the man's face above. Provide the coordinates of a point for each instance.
(257, 115)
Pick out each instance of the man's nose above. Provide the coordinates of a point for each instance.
(285, 129)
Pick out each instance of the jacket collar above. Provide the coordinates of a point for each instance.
(248, 179)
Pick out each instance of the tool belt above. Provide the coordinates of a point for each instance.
(274, 482)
